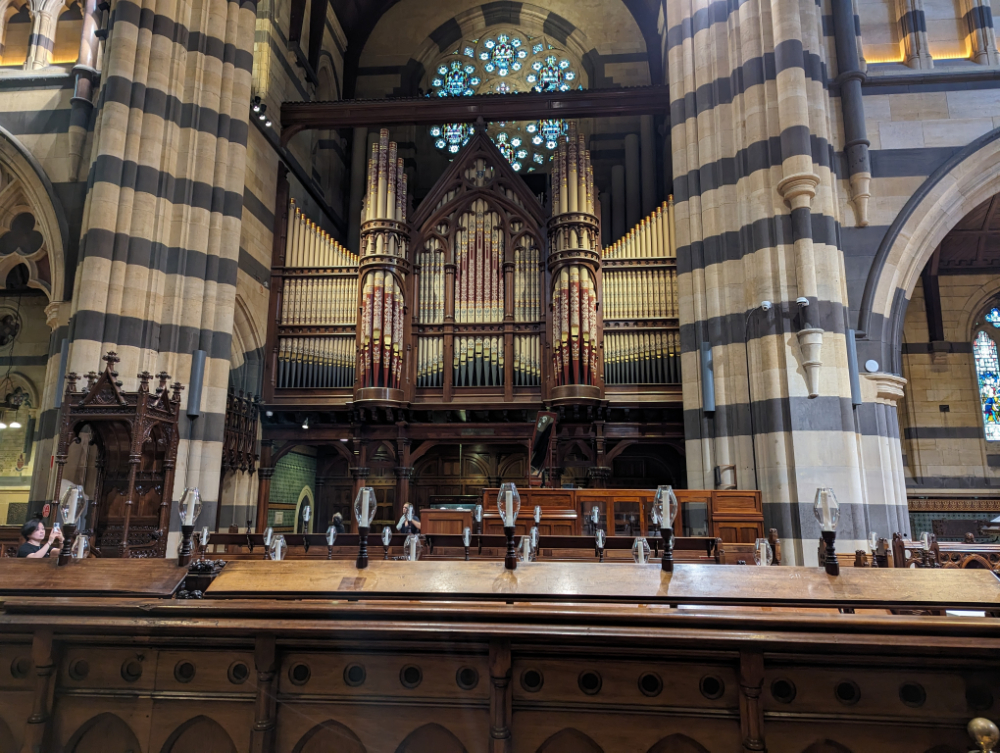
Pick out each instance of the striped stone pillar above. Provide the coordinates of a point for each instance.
(42, 41)
(768, 232)
(913, 43)
(982, 39)
(161, 225)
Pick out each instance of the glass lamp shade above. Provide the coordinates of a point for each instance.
(595, 515)
(665, 504)
(524, 550)
(331, 535)
(466, 537)
(509, 504)
(278, 548)
(81, 547)
(268, 536)
(826, 508)
(477, 514)
(654, 516)
(762, 553)
(205, 534)
(925, 541)
(538, 514)
(386, 535)
(409, 514)
(307, 514)
(873, 540)
(411, 547)
(364, 507)
(72, 505)
(640, 551)
(190, 506)
(534, 536)
(601, 538)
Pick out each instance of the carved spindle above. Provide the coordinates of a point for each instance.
(164, 377)
(71, 380)
(91, 380)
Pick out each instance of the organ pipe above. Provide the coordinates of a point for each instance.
(384, 234)
(641, 340)
(574, 260)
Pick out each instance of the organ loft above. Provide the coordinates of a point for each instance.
(610, 376)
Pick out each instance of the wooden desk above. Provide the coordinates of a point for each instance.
(110, 577)
(444, 521)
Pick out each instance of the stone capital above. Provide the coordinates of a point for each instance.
(57, 314)
(888, 388)
(798, 189)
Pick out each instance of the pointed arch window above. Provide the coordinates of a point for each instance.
(984, 350)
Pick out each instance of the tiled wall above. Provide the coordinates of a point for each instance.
(292, 474)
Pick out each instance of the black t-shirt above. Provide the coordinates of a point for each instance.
(408, 527)
(27, 548)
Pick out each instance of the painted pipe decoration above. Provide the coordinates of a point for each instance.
(430, 361)
(479, 253)
(383, 233)
(431, 287)
(527, 280)
(316, 362)
(527, 361)
(646, 357)
(575, 331)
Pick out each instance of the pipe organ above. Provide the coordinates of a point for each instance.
(476, 296)
(316, 316)
(641, 337)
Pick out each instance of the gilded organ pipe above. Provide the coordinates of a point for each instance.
(574, 261)
(641, 340)
(384, 269)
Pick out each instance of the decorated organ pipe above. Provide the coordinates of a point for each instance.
(384, 270)
(641, 336)
(316, 315)
(574, 263)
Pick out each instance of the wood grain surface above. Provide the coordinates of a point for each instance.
(583, 581)
(107, 577)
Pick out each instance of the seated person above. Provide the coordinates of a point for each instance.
(408, 526)
(33, 533)
(338, 523)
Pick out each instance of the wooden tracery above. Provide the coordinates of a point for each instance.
(479, 324)
(136, 436)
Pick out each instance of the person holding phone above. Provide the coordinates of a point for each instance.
(33, 533)
(409, 522)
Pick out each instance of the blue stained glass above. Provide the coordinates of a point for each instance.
(993, 317)
(537, 48)
(984, 350)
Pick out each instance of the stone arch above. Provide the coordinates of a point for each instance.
(327, 736)
(69, 28)
(954, 189)
(431, 738)
(677, 743)
(246, 354)
(27, 198)
(102, 733)
(200, 733)
(306, 497)
(15, 31)
(570, 740)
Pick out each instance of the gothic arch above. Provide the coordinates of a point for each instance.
(102, 733)
(431, 738)
(246, 354)
(26, 189)
(677, 743)
(328, 736)
(570, 740)
(954, 189)
(200, 733)
(306, 497)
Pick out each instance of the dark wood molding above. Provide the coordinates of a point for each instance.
(593, 103)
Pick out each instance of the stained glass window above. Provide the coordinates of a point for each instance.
(984, 350)
(505, 62)
(993, 317)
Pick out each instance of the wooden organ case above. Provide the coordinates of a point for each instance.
(485, 296)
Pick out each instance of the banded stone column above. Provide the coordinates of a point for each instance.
(44, 15)
(913, 34)
(882, 458)
(768, 232)
(982, 38)
(161, 223)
